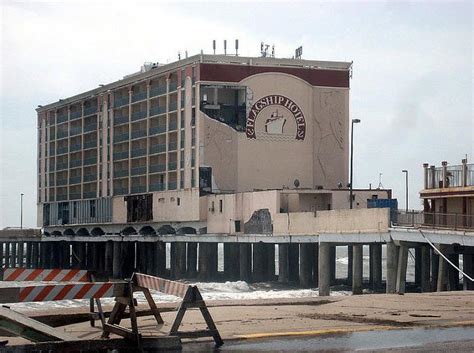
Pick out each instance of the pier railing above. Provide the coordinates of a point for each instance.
(417, 219)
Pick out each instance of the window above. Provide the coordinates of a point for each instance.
(178, 201)
(220, 206)
(74, 209)
(212, 206)
(237, 226)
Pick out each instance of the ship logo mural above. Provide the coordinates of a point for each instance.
(275, 123)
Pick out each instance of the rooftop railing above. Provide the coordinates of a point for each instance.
(419, 219)
(455, 176)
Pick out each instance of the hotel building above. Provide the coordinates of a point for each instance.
(174, 146)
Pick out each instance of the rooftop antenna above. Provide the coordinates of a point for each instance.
(186, 54)
(236, 47)
(299, 52)
(264, 49)
(273, 50)
(225, 47)
(380, 182)
(214, 46)
(179, 55)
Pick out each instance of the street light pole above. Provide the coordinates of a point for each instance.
(21, 211)
(406, 189)
(354, 121)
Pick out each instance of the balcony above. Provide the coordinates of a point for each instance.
(61, 118)
(75, 147)
(172, 185)
(62, 134)
(419, 219)
(157, 168)
(120, 155)
(456, 176)
(120, 173)
(90, 127)
(90, 195)
(138, 115)
(74, 196)
(75, 163)
(172, 146)
(75, 130)
(157, 110)
(120, 102)
(90, 177)
(138, 170)
(157, 187)
(139, 96)
(173, 126)
(120, 137)
(138, 189)
(75, 180)
(90, 144)
(157, 90)
(120, 119)
(89, 161)
(61, 150)
(158, 148)
(157, 130)
(138, 134)
(61, 197)
(172, 166)
(120, 191)
(60, 182)
(90, 110)
(173, 106)
(173, 86)
(61, 166)
(75, 115)
(138, 152)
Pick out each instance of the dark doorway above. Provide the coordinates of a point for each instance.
(139, 208)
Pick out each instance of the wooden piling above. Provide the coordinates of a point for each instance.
(283, 263)
(191, 260)
(357, 269)
(245, 269)
(306, 262)
(324, 278)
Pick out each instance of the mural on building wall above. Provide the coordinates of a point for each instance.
(276, 110)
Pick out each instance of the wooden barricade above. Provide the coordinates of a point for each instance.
(191, 299)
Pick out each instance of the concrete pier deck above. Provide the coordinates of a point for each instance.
(307, 317)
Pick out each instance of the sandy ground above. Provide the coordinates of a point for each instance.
(312, 316)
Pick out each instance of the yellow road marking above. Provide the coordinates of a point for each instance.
(316, 332)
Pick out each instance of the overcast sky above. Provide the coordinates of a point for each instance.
(412, 85)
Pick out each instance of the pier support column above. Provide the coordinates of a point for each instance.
(350, 262)
(402, 268)
(392, 265)
(333, 264)
(28, 254)
(283, 262)
(13, 252)
(357, 269)
(6, 254)
(306, 261)
(259, 262)
(205, 262)
(324, 271)
(270, 266)
(468, 269)
(315, 279)
(418, 270)
(21, 254)
(160, 259)
(434, 270)
(35, 256)
(245, 262)
(191, 260)
(453, 274)
(1, 254)
(231, 261)
(128, 261)
(376, 265)
(79, 255)
(141, 256)
(293, 263)
(425, 268)
(178, 266)
(442, 271)
(109, 258)
(42, 250)
(117, 260)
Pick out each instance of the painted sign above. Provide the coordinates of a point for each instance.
(275, 122)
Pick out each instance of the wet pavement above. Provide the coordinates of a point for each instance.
(459, 339)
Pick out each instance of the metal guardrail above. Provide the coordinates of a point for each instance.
(419, 219)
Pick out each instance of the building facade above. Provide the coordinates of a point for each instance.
(146, 152)
(448, 195)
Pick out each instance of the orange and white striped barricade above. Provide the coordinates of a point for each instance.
(55, 275)
(33, 330)
(191, 299)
